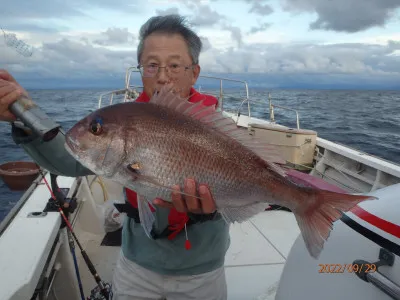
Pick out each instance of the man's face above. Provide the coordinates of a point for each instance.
(168, 50)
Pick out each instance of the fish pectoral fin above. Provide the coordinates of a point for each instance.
(136, 173)
(145, 214)
(243, 213)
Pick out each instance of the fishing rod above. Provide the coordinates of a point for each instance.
(78, 276)
(103, 290)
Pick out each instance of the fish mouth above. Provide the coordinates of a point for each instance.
(72, 144)
(72, 147)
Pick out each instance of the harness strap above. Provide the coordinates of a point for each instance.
(172, 230)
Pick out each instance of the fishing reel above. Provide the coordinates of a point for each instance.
(67, 204)
(99, 293)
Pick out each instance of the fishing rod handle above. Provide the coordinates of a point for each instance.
(34, 118)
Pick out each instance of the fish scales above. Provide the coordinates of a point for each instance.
(166, 150)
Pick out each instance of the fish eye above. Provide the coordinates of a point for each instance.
(96, 126)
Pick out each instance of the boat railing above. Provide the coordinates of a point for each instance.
(112, 94)
(272, 115)
(131, 92)
(221, 92)
(220, 95)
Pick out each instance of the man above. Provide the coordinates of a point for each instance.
(168, 53)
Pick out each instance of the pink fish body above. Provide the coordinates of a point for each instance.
(149, 147)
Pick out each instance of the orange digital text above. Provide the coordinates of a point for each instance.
(346, 268)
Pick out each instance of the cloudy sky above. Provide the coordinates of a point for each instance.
(271, 43)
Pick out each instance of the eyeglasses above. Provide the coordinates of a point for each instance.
(152, 70)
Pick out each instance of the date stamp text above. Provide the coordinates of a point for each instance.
(346, 268)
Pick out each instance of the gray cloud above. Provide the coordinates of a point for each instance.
(345, 15)
(87, 59)
(66, 55)
(67, 58)
(115, 36)
(191, 4)
(262, 27)
(236, 33)
(260, 8)
(39, 9)
(43, 9)
(168, 11)
(205, 16)
(201, 13)
(312, 59)
(206, 43)
(36, 15)
(32, 27)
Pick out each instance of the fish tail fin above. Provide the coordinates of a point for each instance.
(316, 221)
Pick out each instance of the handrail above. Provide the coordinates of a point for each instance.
(221, 101)
(369, 272)
(130, 70)
(271, 109)
(112, 93)
(128, 75)
(384, 284)
(131, 92)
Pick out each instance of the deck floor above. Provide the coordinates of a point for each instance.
(254, 261)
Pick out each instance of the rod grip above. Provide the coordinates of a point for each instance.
(34, 118)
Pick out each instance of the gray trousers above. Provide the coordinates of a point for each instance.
(132, 282)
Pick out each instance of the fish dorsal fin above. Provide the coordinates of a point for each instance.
(217, 121)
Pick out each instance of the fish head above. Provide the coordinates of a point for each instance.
(97, 142)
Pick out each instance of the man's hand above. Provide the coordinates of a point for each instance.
(184, 203)
(10, 91)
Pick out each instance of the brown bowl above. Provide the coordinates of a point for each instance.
(19, 175)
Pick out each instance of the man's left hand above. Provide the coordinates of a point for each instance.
(186, 203)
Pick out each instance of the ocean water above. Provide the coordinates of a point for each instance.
(365, 120)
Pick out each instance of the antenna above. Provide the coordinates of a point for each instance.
(13, 42)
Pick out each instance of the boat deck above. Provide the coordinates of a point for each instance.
(254, 262)
(252, 272)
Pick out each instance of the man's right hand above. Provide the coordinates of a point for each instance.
(10, 91)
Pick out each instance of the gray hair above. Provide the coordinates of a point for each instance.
(171, 24)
